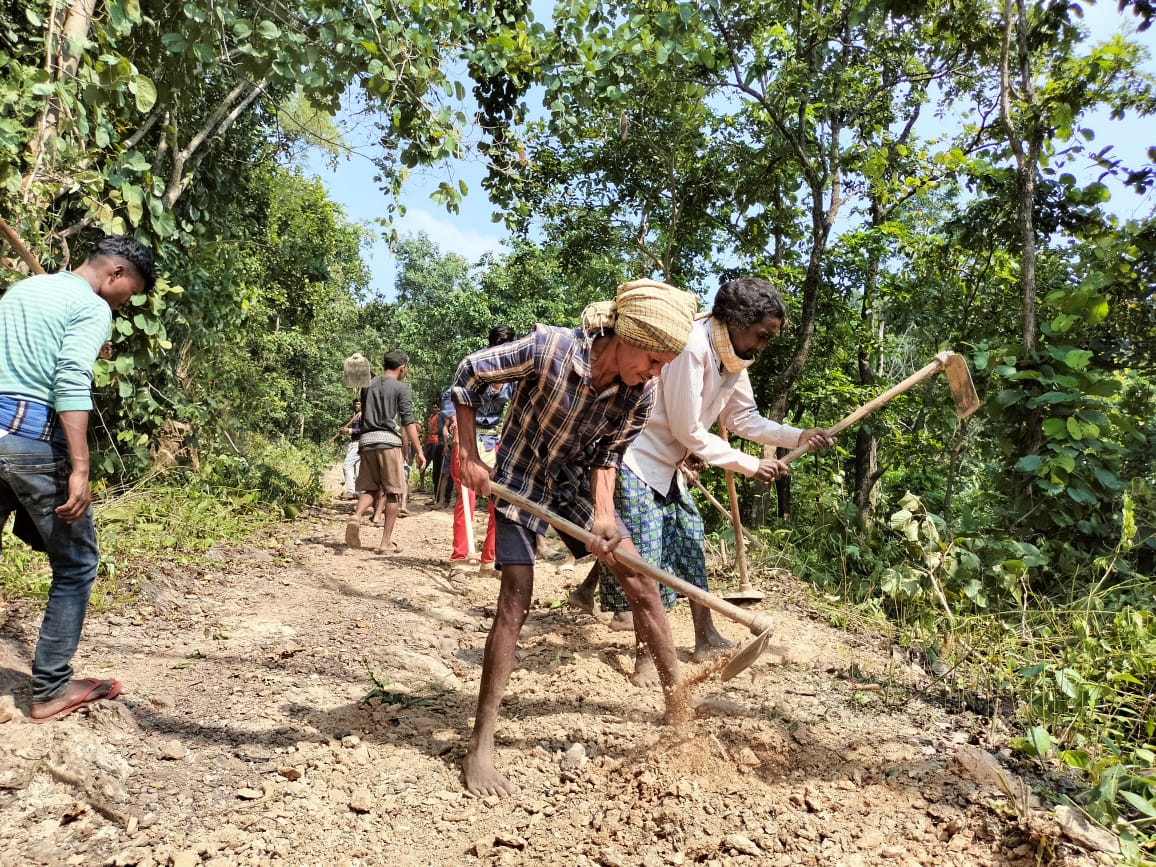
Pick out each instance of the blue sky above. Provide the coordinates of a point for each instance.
(472, 233)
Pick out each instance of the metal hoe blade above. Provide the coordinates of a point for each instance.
(962, 388)
(747, 654)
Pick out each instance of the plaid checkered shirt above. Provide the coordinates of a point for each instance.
(558, 428)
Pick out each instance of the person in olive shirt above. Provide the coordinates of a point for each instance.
(52, 326)
(386, 416)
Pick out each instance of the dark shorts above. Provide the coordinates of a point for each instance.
(517, 545)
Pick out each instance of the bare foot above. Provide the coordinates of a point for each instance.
(582, 598)
(645, 674)
(622, 621)
(709, 646)
(483, 780)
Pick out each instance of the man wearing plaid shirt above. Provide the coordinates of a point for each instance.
(582, 395)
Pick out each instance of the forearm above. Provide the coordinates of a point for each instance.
(74, 423)
(602, 480)
(467, 437)
(414, 438)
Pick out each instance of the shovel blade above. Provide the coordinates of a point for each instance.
(747, 654)
(962, 388)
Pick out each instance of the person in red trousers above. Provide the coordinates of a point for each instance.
(489, 420)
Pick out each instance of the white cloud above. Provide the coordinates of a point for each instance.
(449, 234)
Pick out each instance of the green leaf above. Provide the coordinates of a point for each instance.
(1039, 739)
(145, 91)
(1078, 359)
(1054, 427)
(1075, 429)
(164, 225)
(1139, 803)
(269, 30)
(1069, 680)
(1029, 463)
(135, 161)
(1075, 759)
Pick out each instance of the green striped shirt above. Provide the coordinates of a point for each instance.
(51, 330)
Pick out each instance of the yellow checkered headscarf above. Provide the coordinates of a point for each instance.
(646, 314)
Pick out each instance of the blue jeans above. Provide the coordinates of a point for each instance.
(34, 477)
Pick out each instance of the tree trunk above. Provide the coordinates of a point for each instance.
(61, 63)
(866, 462)
(1026, 143)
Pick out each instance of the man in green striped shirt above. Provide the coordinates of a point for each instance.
(52, 327)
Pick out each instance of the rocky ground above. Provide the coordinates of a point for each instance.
(293, 701)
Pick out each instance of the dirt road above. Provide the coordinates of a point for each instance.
(295, 702)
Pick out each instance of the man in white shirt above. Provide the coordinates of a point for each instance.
(706, 382)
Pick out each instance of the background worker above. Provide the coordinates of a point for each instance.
(52, 327)
(352, 462)
(386, 417)
(488, 421)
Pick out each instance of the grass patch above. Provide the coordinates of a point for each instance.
(178, 514)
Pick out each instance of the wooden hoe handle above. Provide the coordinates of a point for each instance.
(756, 623)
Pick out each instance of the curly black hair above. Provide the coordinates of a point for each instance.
(395, 359)
(500, 334)
(748, 300)
(132, 251)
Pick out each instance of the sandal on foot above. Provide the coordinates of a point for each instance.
(97, 690)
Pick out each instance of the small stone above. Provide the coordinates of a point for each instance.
(7, 709)
(361, 801)
(871, 840)
(482, 847)
(186, 858)
(743, 844)
(290, 773)
(131, 856)
(249, 794)
(574, 757)
(173, 750)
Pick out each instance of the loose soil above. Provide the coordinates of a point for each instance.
(293, 701)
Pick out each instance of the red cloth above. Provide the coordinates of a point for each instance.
(431, 428)
(461, 548)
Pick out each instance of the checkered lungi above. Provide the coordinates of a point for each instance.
(667, 531)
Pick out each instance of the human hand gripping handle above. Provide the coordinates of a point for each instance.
(606, 533)
(475, 475)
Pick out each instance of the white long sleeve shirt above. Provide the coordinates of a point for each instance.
(693, 392)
